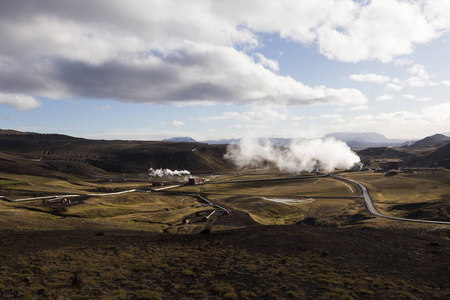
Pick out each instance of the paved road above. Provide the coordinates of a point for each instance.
(367, 199)
(366, 196)
(374, 211)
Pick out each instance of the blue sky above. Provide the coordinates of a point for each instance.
(151, 70)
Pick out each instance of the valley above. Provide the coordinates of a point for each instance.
(72, 226)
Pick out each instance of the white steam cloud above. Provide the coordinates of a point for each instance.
(300, 155)
(167, 173)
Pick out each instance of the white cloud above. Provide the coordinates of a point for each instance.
(19, 101)
(384, 98)
(422, 77)
(380, 30)
(176, 123)
(152, 52)
(412, 97)
(396, 80)
(403, 62)
(393, 87)
(446, 82)
(398, 123)
(373, 78)
(359, 107)
(193, 52)
(268, 63)
(333, 117)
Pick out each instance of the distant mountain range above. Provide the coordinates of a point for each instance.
(185, 139)
(362, 140)
(34, 153)
(355, 140)
(274, 141)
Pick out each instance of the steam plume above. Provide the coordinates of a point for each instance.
(300, 155)
(167, 173)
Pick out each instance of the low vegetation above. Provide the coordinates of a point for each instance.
(119, 246)
(261, 263)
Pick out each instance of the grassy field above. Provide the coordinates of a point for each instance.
(301, 262)
(119, 246)
(406, 187)
(423, 194)
(270, 202)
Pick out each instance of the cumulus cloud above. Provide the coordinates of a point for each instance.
(394, 87)
(19, 101)
(403, 62)
(384, 98)
(359, 107)
(194, 52)
(333, 117)
(412, 97)
(201, 52)
(427, 121)
(176, 123)
(421, 78)
(373, 78)
(268, 63)
(446, 82)
(380, 30)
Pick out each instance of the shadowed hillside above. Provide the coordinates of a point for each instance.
(76, 155)
(436, 140)
(431, 151)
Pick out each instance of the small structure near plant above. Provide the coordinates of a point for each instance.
(391, 167)
(196, 180)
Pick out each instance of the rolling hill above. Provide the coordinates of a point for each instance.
(362, 140)
(431, 151)
(27, 152)
(436, 140)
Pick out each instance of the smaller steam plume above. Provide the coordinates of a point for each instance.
(299, 156)
(167, 173)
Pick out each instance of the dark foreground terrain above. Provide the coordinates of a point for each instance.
(258, 262)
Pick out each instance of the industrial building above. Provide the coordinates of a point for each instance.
(196, 180)
(391, 167)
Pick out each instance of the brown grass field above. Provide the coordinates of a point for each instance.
(284, 239)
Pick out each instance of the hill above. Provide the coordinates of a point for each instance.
(436, 140)
(440, 156)
(53, 152)
(431, 151)
(362, 140)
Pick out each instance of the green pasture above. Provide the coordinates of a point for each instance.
(4, 182)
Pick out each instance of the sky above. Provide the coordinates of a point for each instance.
(151, 70)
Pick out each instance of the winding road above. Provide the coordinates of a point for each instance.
(371, 208)
(365, 194)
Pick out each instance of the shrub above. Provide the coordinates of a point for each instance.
(187, 273)
(147, 294)
(222, 288)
